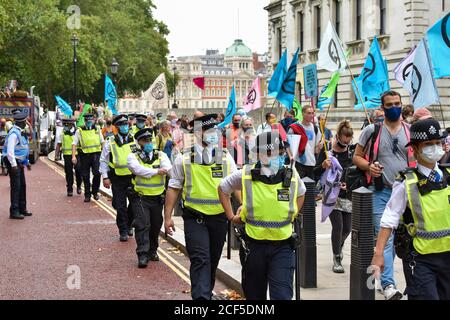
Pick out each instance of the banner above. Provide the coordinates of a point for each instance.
(403, 69)
(157, 93)
(298, 110)
(420, 82)
(278, 76)
(331, 54)
(253, 99)
(110, 94)
(231, 110)
(64, 106)
(286, 93)
(311, 85)
(199, 82)
(438, 37)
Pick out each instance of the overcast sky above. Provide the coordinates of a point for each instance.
(197, 25)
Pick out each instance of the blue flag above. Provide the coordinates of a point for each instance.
(438, 37)
(278, 76)
(286, 93)
(231, 110)
(64, 106)
(110, 94)
(374, 78)
(323, 101)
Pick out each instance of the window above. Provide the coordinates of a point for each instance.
(207, 92)
(223, 104)
(213, 93)
(124, 105)
(318, 31)
(382, 16)
(337, 16)
(279, 44)
(207, 104)
(196, 104)
(301, 31)
(358, 19)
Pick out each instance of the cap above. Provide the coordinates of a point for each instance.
(206, 122)
(120, 119)
(88, 116)
(19, 115)
(269, 141)
(143, 133)
(68, 121)
(426, 130)
(141, 117)
(422, 114)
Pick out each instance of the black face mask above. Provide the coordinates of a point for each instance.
(108, 123)
(236, 125)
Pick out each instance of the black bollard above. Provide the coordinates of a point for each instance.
(361, 287)
(308, 247)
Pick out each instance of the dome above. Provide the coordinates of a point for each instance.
(238, 49)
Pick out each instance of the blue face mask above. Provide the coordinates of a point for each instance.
(212, 139)
(66, 129)
(148, 148)
(89, 124)
(276, 164)
(140, 124)
(124, 129)
(393, 114)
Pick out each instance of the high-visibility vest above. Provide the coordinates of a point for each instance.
(21, 149)
(268, 210)
(119, 157)
(67, 144)
(154, 186)
(431, 215)
(201, 183)
(90, 140)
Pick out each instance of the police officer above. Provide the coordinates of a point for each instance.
(149, 168)
(113, 168)
(140, 123)
(64, 142)
(16, 152)
(198, 173)
(420, 206)
(90, 140)
(272, 197)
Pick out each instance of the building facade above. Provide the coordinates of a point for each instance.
(399, 25)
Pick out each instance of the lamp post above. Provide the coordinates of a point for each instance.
(114, 69)
(75, 43)
(174, 105)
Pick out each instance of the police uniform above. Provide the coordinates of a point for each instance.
(141, 118)
(269, 208)
(147, 199)
(90, 146)
(15, 153)
(113, 166)
(419, 211)
(199, 172)
(65, 139)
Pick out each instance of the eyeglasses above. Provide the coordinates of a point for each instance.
(395, 145)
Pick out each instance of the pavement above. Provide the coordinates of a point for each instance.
(330, 286)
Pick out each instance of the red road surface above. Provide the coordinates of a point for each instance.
(35, 253)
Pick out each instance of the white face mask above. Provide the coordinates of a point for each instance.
(432, 154)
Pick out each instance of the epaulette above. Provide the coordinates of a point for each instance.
(402, 174)
(134, 148)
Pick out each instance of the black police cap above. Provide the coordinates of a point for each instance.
(426, 130)
(141, 117)
(143, 134)
(269, 141)
(120, 119)
(205, 122)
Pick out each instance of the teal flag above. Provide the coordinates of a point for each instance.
(64, 106)
(278, 76)
(231, 110)
(286, 93)
(374, 78)
(324, 101)
(438, 37)
(110, 94)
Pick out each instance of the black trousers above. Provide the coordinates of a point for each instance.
(431, 277)
(341, 223)
(90, 161)
(304, 171)
(268, 265)
(205, 238)
(119, 186)
(18, 189)
(148, 220)
(68, 169)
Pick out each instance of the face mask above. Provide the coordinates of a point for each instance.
(174, 122)
(148, 148)
(409, 119)
(275, 164)
(236, 125)
(273, 121)
(248, 129)
(393, 114)
(379, 119)
(432, 154)
(212, 139)
(108, 123)
(124, 129)
(89, 124)
(140, 125)
(341, 145)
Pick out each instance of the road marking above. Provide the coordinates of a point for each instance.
(174, 265)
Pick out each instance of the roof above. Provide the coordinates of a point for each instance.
(238, 49)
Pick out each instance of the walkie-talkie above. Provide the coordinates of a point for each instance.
(288, 172)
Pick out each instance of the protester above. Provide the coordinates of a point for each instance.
(407, 113)
(245, 142)
(164, 140)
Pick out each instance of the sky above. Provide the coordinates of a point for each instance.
(197, 25)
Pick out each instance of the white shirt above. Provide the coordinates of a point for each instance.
(104, 157)
(60, 136)
(76, 137)
(177, 174)
(399, 200)
(12, 142)
(234, 181)
(265, 127)
(309, 156)
(139, 170)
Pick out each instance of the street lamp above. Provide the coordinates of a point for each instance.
(114, 69)
(75, 43)
(174, 105)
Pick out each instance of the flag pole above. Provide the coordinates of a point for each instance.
(442, 113)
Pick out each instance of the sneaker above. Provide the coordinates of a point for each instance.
(392, 293)
(153, 257)
(96, 196)
(123, 238)
(78, 190)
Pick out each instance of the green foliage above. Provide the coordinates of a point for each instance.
(36, 47)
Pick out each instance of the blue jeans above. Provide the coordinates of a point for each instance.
(380, 200)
